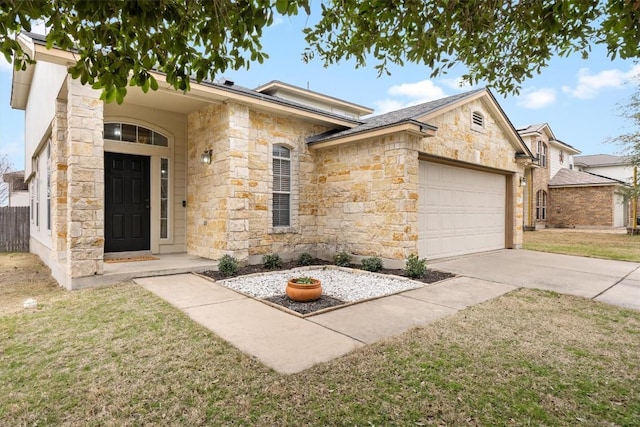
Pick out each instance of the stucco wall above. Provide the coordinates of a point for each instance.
(41, 106)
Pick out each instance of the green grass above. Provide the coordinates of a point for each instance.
(620, 247)
(121, 356)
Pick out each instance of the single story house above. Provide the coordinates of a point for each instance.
(224, 169)
(17, 191)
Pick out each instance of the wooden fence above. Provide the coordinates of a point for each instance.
(14, 229)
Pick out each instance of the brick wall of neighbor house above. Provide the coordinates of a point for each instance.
(581, 207)
(490, 147)
(85, 180)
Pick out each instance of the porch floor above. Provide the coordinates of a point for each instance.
(161, 266)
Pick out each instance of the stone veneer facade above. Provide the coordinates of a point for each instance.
(360, 197)
(77, 186)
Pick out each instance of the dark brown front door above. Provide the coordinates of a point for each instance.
(126, 195)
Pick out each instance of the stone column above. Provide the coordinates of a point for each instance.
(85, 178)
(59, 184)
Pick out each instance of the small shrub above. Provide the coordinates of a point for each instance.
(342, 259)
(304, 281)
(305, 259)
(228, 265)
(372, 264)
(271, 261)
(415, 267)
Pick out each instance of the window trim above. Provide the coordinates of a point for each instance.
(542, 153)
(275, 157)
(541, 205)
(153, 133)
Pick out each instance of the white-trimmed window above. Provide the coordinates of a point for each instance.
(541, 205)
(281, 206)
(132, 133)
(37, 197)
(164, 198)
(542, 153)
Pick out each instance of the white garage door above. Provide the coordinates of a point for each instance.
(460, 211)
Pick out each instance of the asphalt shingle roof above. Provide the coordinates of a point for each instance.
(408, 114)
(601, 160)
(569, 177)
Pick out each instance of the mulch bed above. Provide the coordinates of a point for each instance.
(430, 276)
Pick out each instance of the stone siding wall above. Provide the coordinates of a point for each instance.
(360, 197)
(85, 181)
(581, 207)
(369, 194)
(229, 201)
(59, 183)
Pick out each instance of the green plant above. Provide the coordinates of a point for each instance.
(415, 267)
(228, 265)
(303, 281)
(372, 264)
(342, 259)
(305, 259)
(272, 261)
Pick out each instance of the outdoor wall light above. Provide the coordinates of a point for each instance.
(206, 156)
(523, 181)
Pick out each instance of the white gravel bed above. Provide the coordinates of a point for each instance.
(342, 283)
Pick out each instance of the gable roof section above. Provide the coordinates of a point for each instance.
(287, 91)
(418, 115)
(539, 129)
(592, 160)
(573, 178)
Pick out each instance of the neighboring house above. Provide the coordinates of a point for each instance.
(615, 167)
(562, 195)
(618, 168)
(584, 200)
(227, 170)
(552, 156)
(17, 189)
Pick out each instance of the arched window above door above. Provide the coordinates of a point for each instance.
(133, 133)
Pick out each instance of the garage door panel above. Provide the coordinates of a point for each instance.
(461, 210)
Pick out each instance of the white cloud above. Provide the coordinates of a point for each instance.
(424, 90)
(537, 98)
(408, 94)
(589, 84)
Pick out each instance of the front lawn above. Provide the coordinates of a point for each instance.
(121, 356)
(592, 244)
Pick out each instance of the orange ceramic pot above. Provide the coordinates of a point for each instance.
(304, 292)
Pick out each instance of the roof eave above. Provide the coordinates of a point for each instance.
(422, 130)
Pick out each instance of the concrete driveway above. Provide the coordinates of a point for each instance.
(613, 282)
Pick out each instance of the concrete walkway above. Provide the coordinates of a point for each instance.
(613, 282)
(289, 344)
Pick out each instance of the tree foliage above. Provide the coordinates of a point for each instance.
(500, 41)
(117, 43)
(630, 142)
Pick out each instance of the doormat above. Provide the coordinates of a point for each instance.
(137, 258)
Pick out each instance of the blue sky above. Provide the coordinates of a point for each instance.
(578, 98)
